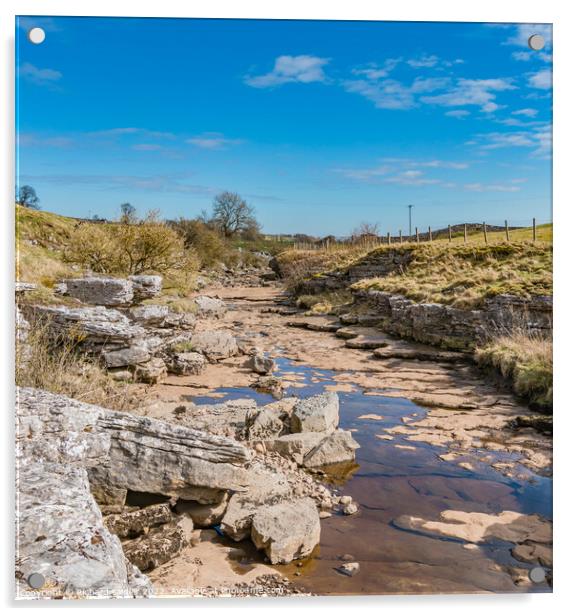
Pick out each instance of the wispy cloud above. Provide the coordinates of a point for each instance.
(213, 141)
(472, 92)
(123, 131)
(423, 61)
(402, 171)
(542, 80)
(480, 187)
(539, 140)
(39, 76)
(457, 113)
(527, 112)
(37, 140)
(393, 94)
(291, 69)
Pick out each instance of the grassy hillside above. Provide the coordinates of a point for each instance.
(464, 275)
(40, 239)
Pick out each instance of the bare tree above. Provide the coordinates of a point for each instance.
(26, 197)
(366, 229)
(231, 215)
(129, 215)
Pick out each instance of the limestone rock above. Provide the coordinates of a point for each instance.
(265, 488)
(287, 531)
(203, 515)
(149, 315)
(186, 363)
(155, 548)
(297, 446)
(228, 418)
(152, 371)
(61, 535)
(146, 287)
(337, 447)
(261, 364)
(130, 356)
(264, 423)
(209, 307)
(100, 291)
(349, 569)
(215, 345)
(96, 325)
(316, 414)
(134, 523)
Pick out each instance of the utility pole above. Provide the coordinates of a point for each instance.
(410, 220)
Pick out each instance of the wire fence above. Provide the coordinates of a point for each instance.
(462, 233)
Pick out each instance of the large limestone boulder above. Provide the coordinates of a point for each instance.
(261, 364)
(155, 547)
(186, 364)
(316, 414)
(149, 315)
(61, 535)
(339, 446)
(99, 291)
(286, 531)
(267, 422)
(133, 523)
(145, 287)
(209, 307)
(130, 356)
(265, 488)
(95, 325)
(215, 345)
(297, 446)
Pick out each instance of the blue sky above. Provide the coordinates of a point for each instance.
(320, 125)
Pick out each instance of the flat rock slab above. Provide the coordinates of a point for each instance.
(317, 324)
(99, 291)
(419, 354)
(367, 338)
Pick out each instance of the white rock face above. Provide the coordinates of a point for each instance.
(287, 530)
(338, 447)
(209, 307)
(146, 287)
(215, 345)
(316, 414)
(99, 291)
(60, 533)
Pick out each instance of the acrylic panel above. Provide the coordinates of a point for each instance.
(284, 307)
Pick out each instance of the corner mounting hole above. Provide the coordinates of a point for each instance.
(536, 42)
(36, 36)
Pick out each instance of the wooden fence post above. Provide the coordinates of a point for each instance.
(485, 235)
(465, 233)
(417, 236)
(533, 229)
(507, 231)
(388, 238)
(449, 233)
(400, 235)
(429, 234)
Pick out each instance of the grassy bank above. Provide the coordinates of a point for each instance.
(526, 361)
(464, 276)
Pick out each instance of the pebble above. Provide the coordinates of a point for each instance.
(349, 569)
(345, 500)
(324, 514)
(350, 509)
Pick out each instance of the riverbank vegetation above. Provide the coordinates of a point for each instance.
(526, 360)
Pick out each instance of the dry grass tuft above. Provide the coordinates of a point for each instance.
(524, 359)
(56, 365)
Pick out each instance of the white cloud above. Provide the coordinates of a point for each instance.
(457, 113)
(478, 92)
(31, 139)
(479, 187)
(522, 56)
(39, 76)
(147, 147)
(423, 62)
(522, 32)
(539, 140)
(542, 80)
(212, 141)
(392, 94)
(528, 112)
(291, 69)
(403, 171)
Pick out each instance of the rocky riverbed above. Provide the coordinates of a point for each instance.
(361, 463)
